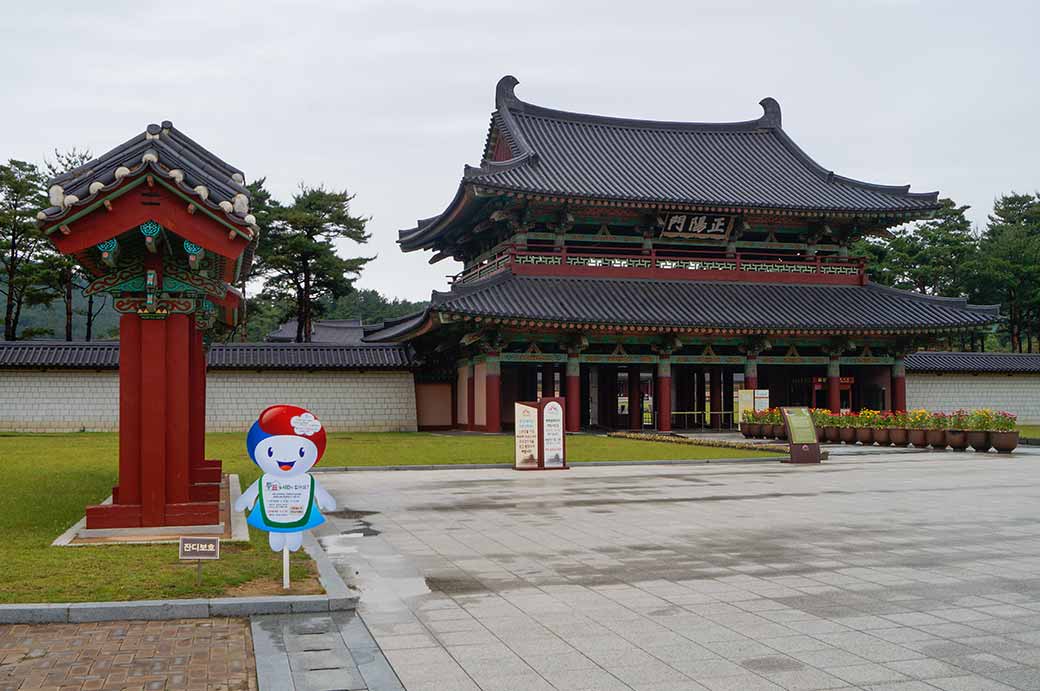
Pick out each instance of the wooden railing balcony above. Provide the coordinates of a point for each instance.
(698, 265)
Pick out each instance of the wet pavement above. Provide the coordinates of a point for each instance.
(890, 571)
(319, 652)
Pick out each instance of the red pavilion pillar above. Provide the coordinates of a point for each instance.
(157, 437)
(664, 394)
(573, 392)
(715, 402)
(635, 399)
(471, 399)
(898, 384)
(751, 372)
(492, 393)
(834, 383)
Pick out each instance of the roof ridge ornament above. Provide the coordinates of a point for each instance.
(504, 94)
(771, 116)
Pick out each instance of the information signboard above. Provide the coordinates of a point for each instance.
(526, 436)
(801, 435)
(552, 435)
(539, 439)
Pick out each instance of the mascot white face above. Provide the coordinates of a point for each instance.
(285, 455)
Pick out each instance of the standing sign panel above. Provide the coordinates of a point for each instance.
(540, 443)
(552, 435)
(526, 436)
(801, 435)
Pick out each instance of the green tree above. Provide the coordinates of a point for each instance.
(60, 275)
(298, 257)
(928, 256)
(371, 307)
(21, 196)
(1007, 269)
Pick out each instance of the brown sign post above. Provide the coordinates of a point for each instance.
(801, 435)
(539, 435)
(198, 548)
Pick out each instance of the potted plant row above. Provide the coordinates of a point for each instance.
(980, 429)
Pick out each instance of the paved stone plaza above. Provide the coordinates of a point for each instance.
(902, 571)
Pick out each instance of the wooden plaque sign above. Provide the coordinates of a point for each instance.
(539, 439)
(801, 436)
(199, 548)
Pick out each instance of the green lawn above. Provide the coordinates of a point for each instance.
(51, 477)
(1030, 431)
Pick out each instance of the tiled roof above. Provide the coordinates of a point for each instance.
(162, 150)
(1009, 363)
(692, 304)
(294, 356)
(339, 331)
(751, 164)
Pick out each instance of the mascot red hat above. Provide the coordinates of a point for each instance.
(288, 420)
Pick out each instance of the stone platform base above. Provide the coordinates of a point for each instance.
(231, 528)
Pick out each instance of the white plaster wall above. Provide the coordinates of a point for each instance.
(70, 400)
(58, 401)
(1018, 394)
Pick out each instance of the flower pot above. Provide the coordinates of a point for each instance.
(830, 433)
(1004, 442)
(881, 436)
(936, 439)
(847, 434)
(780, 431)
(899, 436)
(957, 439)
(979, 440)
(865, 436)
(918, 438)
(745, 429)
(754, 429)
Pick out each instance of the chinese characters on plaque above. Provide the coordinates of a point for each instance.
(692, 225)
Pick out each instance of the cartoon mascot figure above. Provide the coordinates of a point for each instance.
(286, 441)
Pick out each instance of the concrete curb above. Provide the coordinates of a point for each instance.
(156, 610)
(572, 465)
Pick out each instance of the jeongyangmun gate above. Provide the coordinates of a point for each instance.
(648, 269)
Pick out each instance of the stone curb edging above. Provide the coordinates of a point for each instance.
(155, 610)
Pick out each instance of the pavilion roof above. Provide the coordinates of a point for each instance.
(1003, 363)
(712, 306)
(162, 150)
(541, 153)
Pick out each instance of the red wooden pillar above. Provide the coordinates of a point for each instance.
(573, 392)
(153, 422)
(898, 384)
(129, 489)
(834, 383)
(178, 384)
(664, 394)
(715, 402)
(751, 372)
(635, 399)
(471, 399)
(492, 393)
(197, 416)
(548, 380)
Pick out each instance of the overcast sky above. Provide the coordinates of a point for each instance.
(390, 99)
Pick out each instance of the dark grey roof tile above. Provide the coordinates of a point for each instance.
(693, 304)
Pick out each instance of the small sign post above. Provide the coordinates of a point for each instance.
(199, 549)
(801, 436)
(539, 439)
